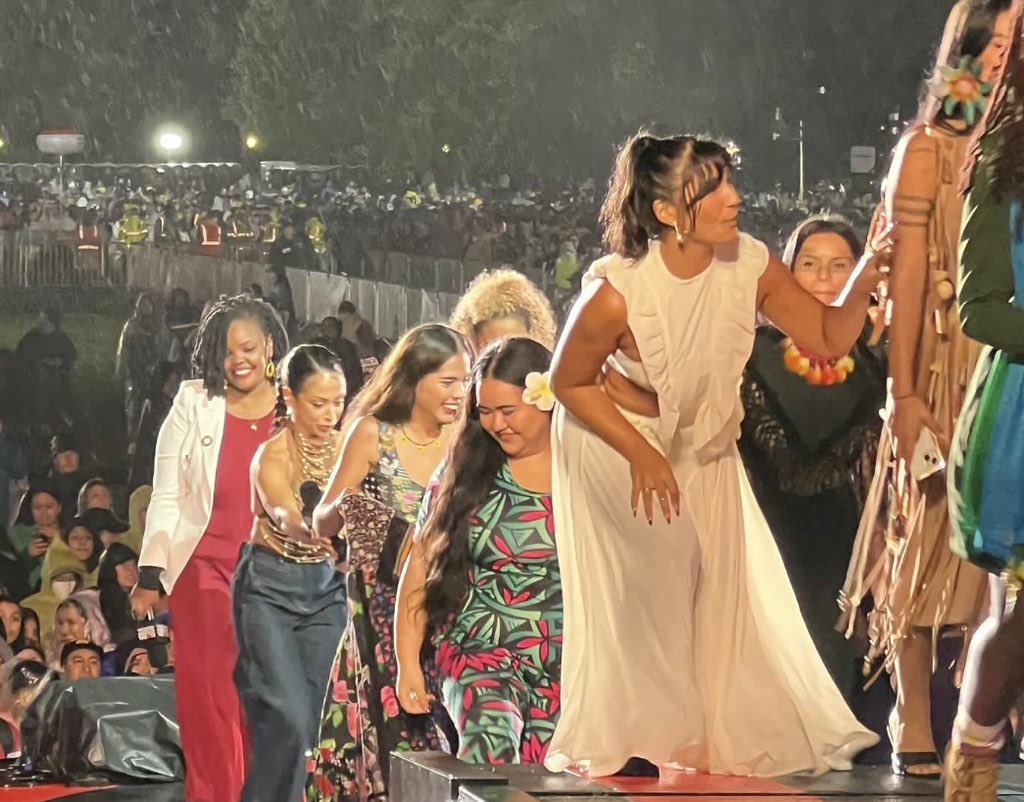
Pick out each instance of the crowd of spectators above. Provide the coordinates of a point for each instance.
(317, 220)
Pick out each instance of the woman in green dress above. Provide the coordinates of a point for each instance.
(483, 575)
(987, 461)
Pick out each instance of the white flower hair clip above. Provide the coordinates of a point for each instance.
(538, 391)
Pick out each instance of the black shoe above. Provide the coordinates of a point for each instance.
(638, 767)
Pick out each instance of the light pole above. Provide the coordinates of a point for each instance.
(803, 185)
(782, 132)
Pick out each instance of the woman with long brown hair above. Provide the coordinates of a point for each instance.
(398, 429)
(482, 580)
(923, 592)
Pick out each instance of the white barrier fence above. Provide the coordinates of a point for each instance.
(391, 308)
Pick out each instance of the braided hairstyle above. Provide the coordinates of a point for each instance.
(212, 337)
(650, 169)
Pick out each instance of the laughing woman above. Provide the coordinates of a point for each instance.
(199, 516)
(399, 433)
(485, 555)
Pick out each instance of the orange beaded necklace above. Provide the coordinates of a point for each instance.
(816, 370)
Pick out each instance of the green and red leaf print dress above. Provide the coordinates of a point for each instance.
(500, 661)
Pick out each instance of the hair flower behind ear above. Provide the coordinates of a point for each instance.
(961, 90)
(538, 391)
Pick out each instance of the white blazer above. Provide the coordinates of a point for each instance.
(184, 476)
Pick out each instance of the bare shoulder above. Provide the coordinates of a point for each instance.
(914, 161)
(363, 438)
(601, 302)
(275, 449)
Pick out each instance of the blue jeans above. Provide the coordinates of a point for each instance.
(289, 618)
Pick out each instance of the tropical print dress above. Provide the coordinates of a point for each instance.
(362, 722)
(500, 661)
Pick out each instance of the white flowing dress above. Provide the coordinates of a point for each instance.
(683, 641)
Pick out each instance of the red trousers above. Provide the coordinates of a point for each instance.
(205, 653)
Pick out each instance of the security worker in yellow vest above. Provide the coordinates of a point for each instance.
(316, 230)
(240, 232)
(131, 229)
(271, 232)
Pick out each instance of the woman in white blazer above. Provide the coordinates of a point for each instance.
(199, 517)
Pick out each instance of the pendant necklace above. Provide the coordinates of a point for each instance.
(420, 447)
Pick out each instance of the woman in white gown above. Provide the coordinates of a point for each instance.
(683, 640)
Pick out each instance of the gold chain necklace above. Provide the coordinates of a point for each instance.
(420, 447)
(316, 460)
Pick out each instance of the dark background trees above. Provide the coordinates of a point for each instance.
(528, 87)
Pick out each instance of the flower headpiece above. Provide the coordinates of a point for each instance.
(962, 87)
(538, 391)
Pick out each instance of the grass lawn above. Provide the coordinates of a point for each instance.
(94, 335)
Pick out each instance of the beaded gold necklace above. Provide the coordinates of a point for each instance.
(316, 459)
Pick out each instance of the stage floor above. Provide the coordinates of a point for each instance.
(519, 784)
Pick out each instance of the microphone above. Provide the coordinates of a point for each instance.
(310, 494)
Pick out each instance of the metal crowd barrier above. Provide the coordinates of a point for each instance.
(31, 260)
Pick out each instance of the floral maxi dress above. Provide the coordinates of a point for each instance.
(362, 722)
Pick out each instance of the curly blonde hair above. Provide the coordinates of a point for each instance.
(502, 293)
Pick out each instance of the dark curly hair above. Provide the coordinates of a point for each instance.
(476, 458)
(998, 142)
(391, 393)
(650, 169)
(212, 337)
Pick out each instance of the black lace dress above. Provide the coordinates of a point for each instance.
(810, 452)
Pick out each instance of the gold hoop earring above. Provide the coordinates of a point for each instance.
(271, 371)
